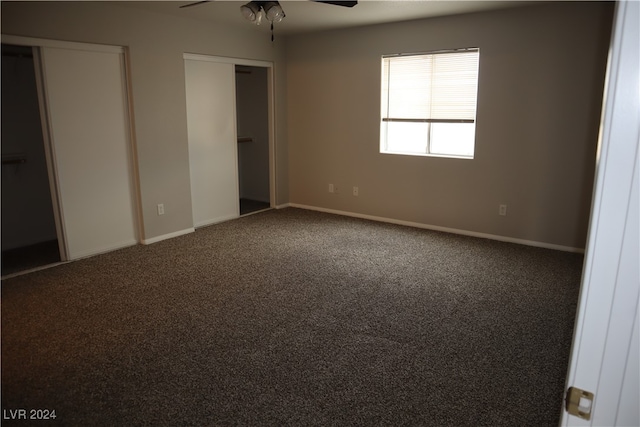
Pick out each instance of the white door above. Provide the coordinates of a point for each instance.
(604, 359)
(211, 123)
(88, 124)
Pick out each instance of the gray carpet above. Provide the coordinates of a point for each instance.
(293, 317)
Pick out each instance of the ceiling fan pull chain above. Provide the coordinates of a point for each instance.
(272, 32)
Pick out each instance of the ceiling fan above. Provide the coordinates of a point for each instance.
(274, 13)
(333, 2)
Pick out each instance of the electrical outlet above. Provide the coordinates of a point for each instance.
(332, 189)
(161, 209)
(355, 191)
(502, 210)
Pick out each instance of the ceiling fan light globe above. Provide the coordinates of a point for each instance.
(274, 11)
(251, 12)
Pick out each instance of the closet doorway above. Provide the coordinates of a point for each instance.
(29, 236)
(78, 119)
(230, 136)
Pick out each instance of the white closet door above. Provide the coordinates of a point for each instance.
(211, 123)
(89, 130)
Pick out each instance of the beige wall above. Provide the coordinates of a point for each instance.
(156, 43)
(540, 92)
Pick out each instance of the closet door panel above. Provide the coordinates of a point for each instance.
(89, 128)
(211, 122)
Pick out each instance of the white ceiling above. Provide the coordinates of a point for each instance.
(307, 16)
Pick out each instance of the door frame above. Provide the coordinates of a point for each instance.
(271, 106)
(604, 354)
(36, 44)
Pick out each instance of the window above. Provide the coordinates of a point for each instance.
(429, 103)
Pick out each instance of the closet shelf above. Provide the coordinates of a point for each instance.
(14, 159)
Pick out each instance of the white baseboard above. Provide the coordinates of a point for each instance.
(284, 205)
(438, 228)
(168, 236)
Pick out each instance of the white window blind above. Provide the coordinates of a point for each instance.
(439, 86)
(429, 103)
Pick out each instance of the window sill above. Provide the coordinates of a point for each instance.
(446, 156)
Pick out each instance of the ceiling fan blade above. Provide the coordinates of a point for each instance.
(194, 4)
(338, 2)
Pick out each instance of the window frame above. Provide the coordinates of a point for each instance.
(428, 150)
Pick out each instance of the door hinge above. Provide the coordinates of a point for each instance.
(579, 403)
